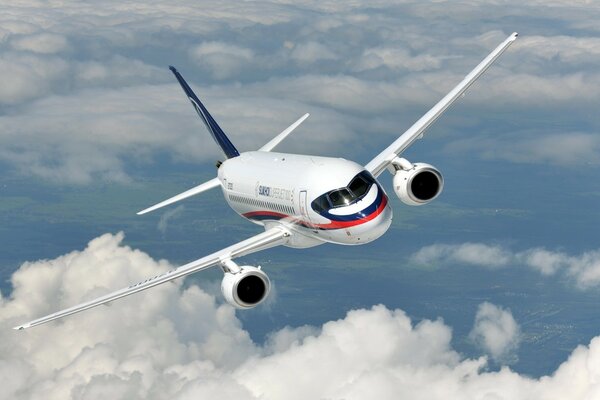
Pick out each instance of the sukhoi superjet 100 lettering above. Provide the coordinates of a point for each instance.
(301, 201)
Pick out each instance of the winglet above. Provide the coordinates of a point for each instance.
(212, 126)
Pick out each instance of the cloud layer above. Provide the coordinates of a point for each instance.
(584, 269)
(362, 68)
(178, 343)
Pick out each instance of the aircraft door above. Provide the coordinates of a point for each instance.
(304, 207)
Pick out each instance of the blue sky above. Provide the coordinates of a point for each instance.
(489, 288)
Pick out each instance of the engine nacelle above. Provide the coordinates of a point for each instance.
(246, 288)
(418, 184)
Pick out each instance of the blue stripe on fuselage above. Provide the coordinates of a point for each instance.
(359, 215)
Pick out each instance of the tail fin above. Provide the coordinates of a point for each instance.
(214, 129)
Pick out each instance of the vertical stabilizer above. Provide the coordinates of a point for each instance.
(212, 126)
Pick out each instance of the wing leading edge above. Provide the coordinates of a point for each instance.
(383, 159)
(270, 238)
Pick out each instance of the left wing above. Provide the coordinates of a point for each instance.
(270, 238)
(383, 159)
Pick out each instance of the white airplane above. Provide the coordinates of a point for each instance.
(300, 200)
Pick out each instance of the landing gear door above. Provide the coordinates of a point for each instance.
(303, 200)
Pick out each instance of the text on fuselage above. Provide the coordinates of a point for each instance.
(274, 192)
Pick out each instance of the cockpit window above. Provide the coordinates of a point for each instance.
(359, 186)
(340, 197)
(321, 204)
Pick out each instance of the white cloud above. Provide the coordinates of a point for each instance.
(496, 332)
(43, 286)
(90, 136)
(584, 269)
(310, 52)
(272, 49)
(44, 43)
(167, 216)
(564, 149)
(286, 338)
(224, 60)
(349, 94)
(29, 76)
(177, 343)
(117, 71)
(544, 261)
(562, 49)
(396, 58)
(466, 253)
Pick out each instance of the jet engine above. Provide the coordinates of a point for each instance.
(245, 288)
(416, 184)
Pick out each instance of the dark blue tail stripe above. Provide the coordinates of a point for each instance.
(214, 129)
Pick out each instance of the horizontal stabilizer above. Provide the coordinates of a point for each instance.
(279, 138)
(213, 183)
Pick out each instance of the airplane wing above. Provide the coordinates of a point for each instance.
(270, 238)
(383, 159)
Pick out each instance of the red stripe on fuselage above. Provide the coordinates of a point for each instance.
(330, 225)
(264, 214)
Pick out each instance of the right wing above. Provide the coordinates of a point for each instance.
(383, 159)
(270, 238)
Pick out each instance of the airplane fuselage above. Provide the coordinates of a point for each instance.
(320, 199)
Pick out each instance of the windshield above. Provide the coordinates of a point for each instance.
(359, 186)
(340, 197)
